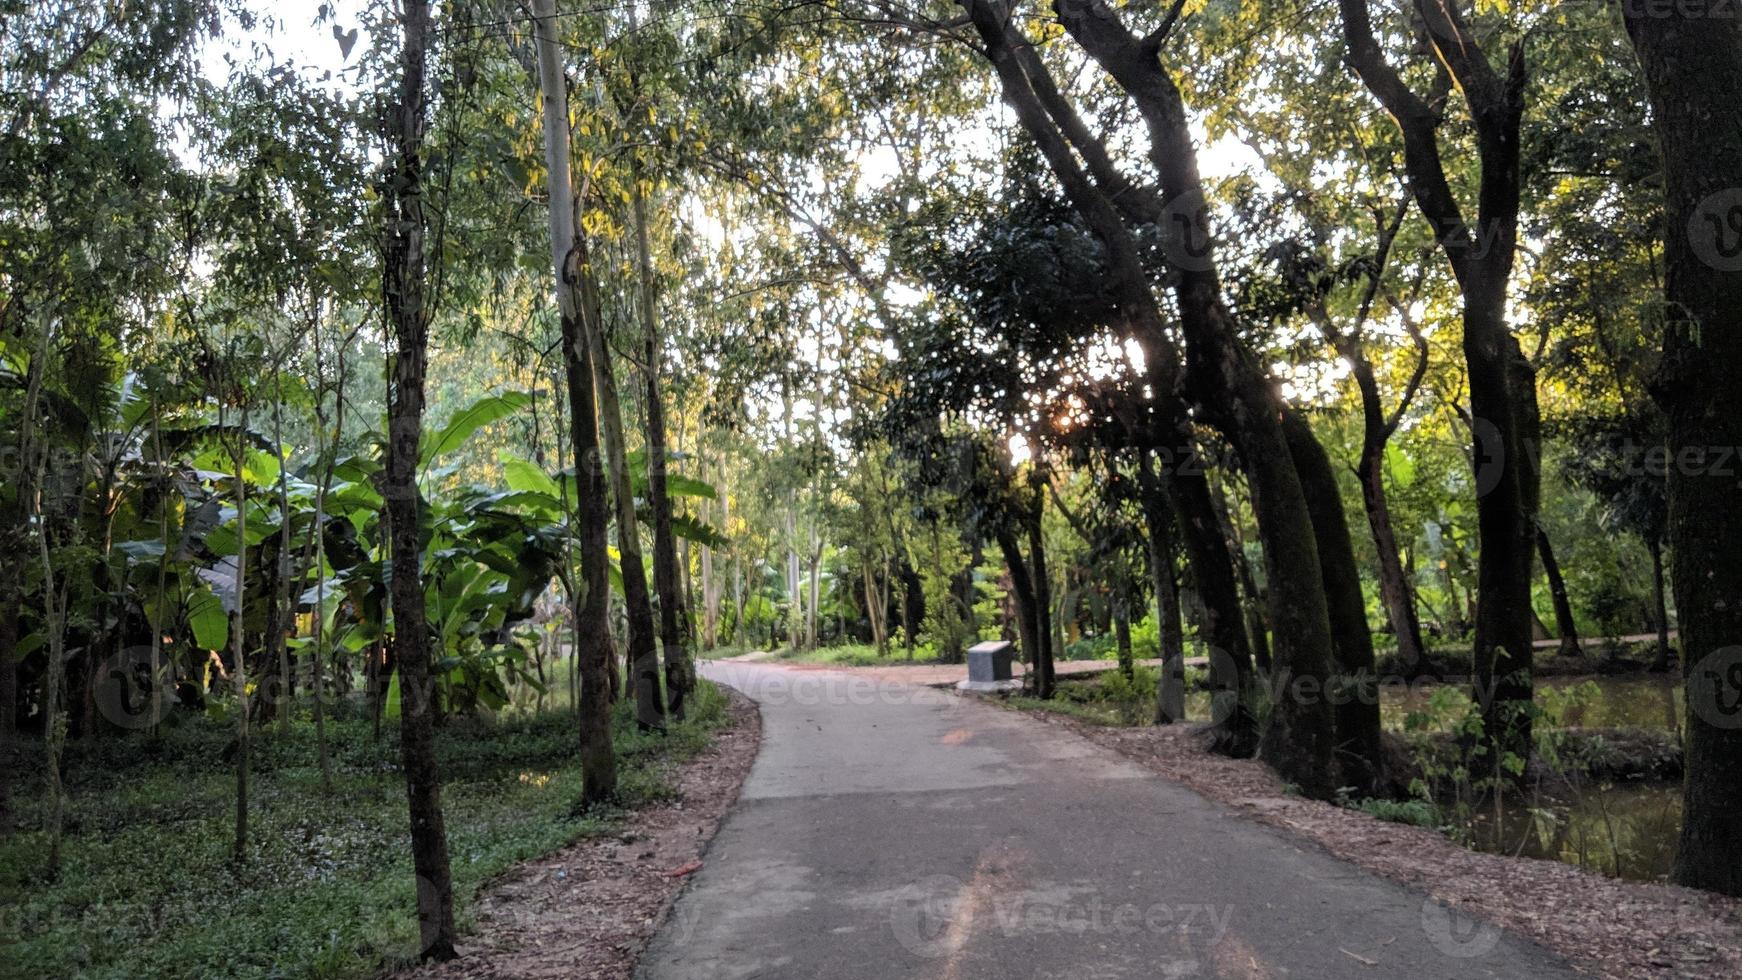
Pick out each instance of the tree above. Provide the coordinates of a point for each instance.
(405, 295)
(1505, 426)
(1692, 65)
(1236, 397)
(577, 302)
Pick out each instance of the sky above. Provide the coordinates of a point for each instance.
(290, 31)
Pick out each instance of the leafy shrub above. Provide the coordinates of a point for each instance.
(1416, 813)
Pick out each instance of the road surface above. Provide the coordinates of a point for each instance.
(901, 831)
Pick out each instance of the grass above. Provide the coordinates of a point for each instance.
(1094, 712)
(1104, 699)
(147, 887)
(856, 655)
(725, 651)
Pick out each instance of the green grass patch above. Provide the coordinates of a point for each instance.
(856, 655)
(1416, 813)
(147, 886)
(1108, 698)
(1098, 713)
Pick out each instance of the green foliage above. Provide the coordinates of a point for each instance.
(855, 655)
(1416, 813)
(469, 420)
(148, 889)
(1108, 698)
(938, 555)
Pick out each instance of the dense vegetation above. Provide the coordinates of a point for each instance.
(478, 364)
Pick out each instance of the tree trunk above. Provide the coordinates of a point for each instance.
(1660, 606)
(875, 612)
(710, 584)
(1027, 605)
(408, 309)
(1505, 423)
(1122, 632)
(283, 610)
(912, 606)
(1691, 59)
(1563, 606)
(643, 654)
(674, 636)
(1300, 740)
(1231, 656)
(238, 640)
(1354, 687)
(1044, 685)
(1506, 519)
(9, 607)
(330, 456)
(54, 721)
(54, 602)
(1170, 694)
(577, 299)
(1396, 593)
(1257, 627)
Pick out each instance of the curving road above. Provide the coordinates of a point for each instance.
(893, 831)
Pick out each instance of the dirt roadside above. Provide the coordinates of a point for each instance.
(587, 911)
(1617, 930)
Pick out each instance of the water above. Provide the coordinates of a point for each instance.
(1585, 701)
(1625, 831)
(1651, 701)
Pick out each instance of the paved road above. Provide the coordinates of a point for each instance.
(892, 831)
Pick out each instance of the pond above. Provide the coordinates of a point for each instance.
(1625, 831)
(1583, 701)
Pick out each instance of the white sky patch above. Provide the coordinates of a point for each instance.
(290, 32)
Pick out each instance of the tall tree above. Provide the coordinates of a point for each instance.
(1300, 740)
(637, 601)
(674, 626)
(577, 301)
(1505, 425)
(405, 294)
(1691, 58)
